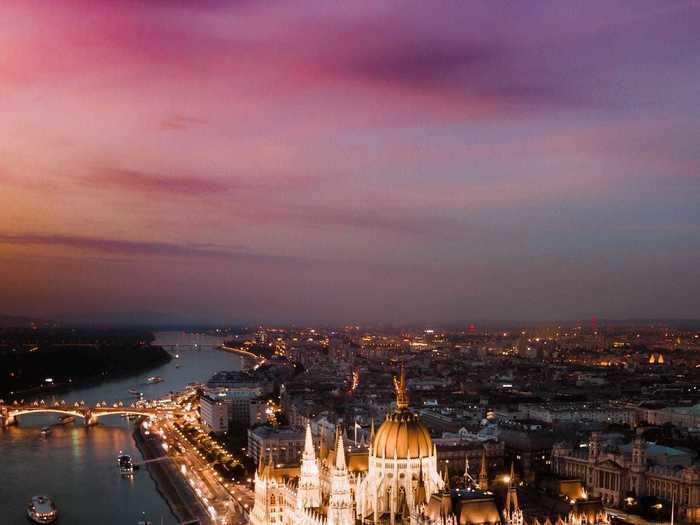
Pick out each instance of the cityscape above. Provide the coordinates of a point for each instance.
(349, 263)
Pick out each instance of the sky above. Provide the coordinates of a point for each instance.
(349, 162)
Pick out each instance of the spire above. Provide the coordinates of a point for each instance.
(340, 453)
(371, 433)
(511, 478)
(309, 452)
(340, 508)
(483, 474)
(401, 390)
(420, 496)
(309, 491)
(511, 497)
(446, 479)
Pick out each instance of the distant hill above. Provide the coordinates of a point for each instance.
(13, 321)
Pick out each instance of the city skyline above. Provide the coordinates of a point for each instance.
(261, 162)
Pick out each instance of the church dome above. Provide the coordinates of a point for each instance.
(402, 435)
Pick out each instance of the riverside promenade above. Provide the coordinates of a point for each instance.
(182, 501)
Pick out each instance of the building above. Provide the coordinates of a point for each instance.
(215, 413)
(632, 471)
(393, 481)
(222, 407)
(283, 445)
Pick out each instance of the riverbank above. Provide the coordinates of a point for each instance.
(55, 360)
(253, 358)
(57, 387)
(170, 483)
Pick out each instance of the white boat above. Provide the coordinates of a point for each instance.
(45, 431)
(42, 510)
(154, 379)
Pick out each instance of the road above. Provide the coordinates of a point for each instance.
(222, 501)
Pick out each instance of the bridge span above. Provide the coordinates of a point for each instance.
(89, 414)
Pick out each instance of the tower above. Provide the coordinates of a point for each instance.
(420, 497)
(401, 391)
(340, 502)
(483, 473)
(512, 494)
(594, 447)
(309, 483)
(265, 486)
(639, 463)
(468, 481)
(639, 452)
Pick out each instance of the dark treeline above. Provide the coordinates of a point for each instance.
(29, 357)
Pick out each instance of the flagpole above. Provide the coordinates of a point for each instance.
(673, 503)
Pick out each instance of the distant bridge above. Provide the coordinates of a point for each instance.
(90, 415)
(175, 346)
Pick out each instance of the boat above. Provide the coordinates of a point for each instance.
(65, 419)
(126, 467)
(42, 510)
(154, 379)
(46, 431)
(135, 392)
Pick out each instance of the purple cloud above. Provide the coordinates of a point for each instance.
(137, 248)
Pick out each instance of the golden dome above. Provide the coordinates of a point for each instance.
(402, 435)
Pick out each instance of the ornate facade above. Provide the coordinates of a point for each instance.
(385, 483)
(394, 481)
(615, 475)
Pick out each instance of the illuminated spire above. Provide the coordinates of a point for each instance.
(309, 492)
(420, 495)
(401, 390)
(340, 453)
(483, 474)
(340, 508)
(309, 444)
(512, 495)
(511, 478)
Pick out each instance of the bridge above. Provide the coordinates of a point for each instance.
(89, 414)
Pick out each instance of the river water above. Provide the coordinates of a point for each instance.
(76, 466)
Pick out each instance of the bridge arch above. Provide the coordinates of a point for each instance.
(43, 410)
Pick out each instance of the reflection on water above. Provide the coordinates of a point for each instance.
(77, 466)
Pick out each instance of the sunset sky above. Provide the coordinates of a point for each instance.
(325, 161)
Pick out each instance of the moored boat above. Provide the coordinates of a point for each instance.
(42, 510)
(126, 467)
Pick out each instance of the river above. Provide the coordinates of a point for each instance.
(76, 466)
